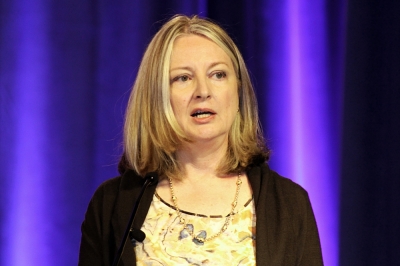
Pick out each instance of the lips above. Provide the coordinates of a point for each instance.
(202, 113)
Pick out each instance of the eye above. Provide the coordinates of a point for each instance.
(181, 78)
(219, 75)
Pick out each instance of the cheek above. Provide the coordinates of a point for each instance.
(233, 96)
(178, 103)
(232, 101)
(174, 101)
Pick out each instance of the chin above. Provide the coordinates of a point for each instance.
(207, 136)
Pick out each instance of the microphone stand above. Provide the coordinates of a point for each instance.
(150, 178)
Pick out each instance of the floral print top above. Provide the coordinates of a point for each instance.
(168, 243)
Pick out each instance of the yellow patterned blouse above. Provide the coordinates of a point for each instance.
(168, 243)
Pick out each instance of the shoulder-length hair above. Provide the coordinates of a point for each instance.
(151, 132)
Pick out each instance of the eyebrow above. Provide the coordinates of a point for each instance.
(190, 68)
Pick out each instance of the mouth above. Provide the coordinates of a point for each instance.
(202, 113)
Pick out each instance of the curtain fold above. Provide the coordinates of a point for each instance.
(370, 202)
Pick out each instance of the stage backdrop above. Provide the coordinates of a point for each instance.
(326, 72)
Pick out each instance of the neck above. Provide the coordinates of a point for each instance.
(202, 159)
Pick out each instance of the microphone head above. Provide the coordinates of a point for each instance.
(152, 177)
(137, 235)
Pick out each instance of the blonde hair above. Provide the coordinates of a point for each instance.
(151, 132)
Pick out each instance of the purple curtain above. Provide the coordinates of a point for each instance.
(370, 172)
(326, 75)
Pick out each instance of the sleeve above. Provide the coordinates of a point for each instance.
(310, 248)
(95, 240)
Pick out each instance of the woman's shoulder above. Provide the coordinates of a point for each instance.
(267, 182)
(106, 195)
(103, 198)
(107, 187)
(285, 208)
(274, 178)
(112, 186)
(274, 192)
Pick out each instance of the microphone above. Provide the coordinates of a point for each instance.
(136, 234)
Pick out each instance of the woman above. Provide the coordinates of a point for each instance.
(192, 118)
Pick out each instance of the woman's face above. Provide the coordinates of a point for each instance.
(204, 89)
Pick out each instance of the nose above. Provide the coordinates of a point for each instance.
(203, 90)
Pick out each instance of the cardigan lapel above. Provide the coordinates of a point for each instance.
(259, 177)
(129, 190)
(254, 176)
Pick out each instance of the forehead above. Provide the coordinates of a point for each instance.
(191, 47)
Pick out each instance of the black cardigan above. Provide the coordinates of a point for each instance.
(286, 231)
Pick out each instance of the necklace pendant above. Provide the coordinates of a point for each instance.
(201, 238)
(198, 241)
